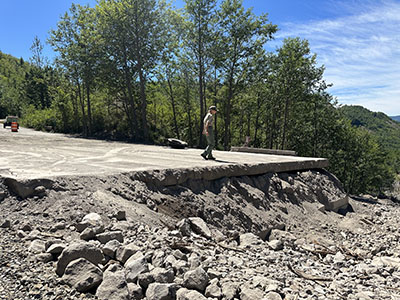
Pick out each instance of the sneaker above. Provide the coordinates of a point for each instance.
(204, 156)
(211, 157)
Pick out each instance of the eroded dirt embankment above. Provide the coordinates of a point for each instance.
(246, 203)
(279, 236)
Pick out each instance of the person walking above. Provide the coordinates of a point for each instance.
(208, 131)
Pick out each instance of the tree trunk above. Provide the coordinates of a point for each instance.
(227, 136)
(188, 106)
(82, 103)
(89, 109)
(142, 83)
(256, 144)
(285, 121)
(171, 95)
(132, 116)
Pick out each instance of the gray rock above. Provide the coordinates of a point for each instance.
(87, 234)
(82, 275)
(93, 219)
(386, 261)
(114, 285)
(229, 290)
(159, 275)
(120, 215)
(145, 279)
(184, 227)
(185, 294)
(134, 266)
(111, 247)
(55, 248)
(179, 266)
(200, 227)
(6, 223)
(37, 246)
(44, 257)
(26, 227)
(162, 275)
(79, 250)
(282, 235)
(251, 294)
(158, 258)
(249, 239)
(111, 235)
(2, 195)
(125, 252)
(276, 245)
(135, 291)
(213, 290)
(194, 261)
(196, 279)
(161, 291)
(272, 296)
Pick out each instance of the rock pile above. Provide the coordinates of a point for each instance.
(74, 244)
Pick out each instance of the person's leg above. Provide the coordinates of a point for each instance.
(211, 142)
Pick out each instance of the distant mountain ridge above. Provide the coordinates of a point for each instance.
(383, 127)
(396, 118)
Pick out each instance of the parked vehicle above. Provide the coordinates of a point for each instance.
(9, 120)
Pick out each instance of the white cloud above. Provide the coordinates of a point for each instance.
(361, 52)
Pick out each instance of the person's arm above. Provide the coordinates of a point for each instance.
(206, 124)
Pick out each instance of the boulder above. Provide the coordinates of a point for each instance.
(185, 294)
(37, 246)
(120, 215)
(114, 285)
(56, 248)
(229, 290)
(2, 195)
(213, 290)
(162, 275)
(88, 234)
(251, 294)
(249, 239)
(135, 291)
(125, 252)
(200, 227)
(82, 275)
(272, 296)
(111, 247)
(5, 224)
(184, 227)
(93, 219)
(44, 257)
(135, 265)
(78, 250)
(196, 279)
(161, 291)
(386, 261)
(111, 235)
(276, 245)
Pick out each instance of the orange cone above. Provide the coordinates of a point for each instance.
(14, 127)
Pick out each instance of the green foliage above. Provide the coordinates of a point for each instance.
(44, 119)
(385, 129)
(12, 74)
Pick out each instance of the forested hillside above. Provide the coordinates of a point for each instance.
(380, 125)
(143, 71)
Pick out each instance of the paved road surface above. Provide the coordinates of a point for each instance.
(29, 154)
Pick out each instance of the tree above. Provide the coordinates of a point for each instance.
(244, 34)
(199, 35)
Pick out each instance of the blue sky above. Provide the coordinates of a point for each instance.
(358, 41)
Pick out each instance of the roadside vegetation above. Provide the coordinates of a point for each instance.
(143, 71)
